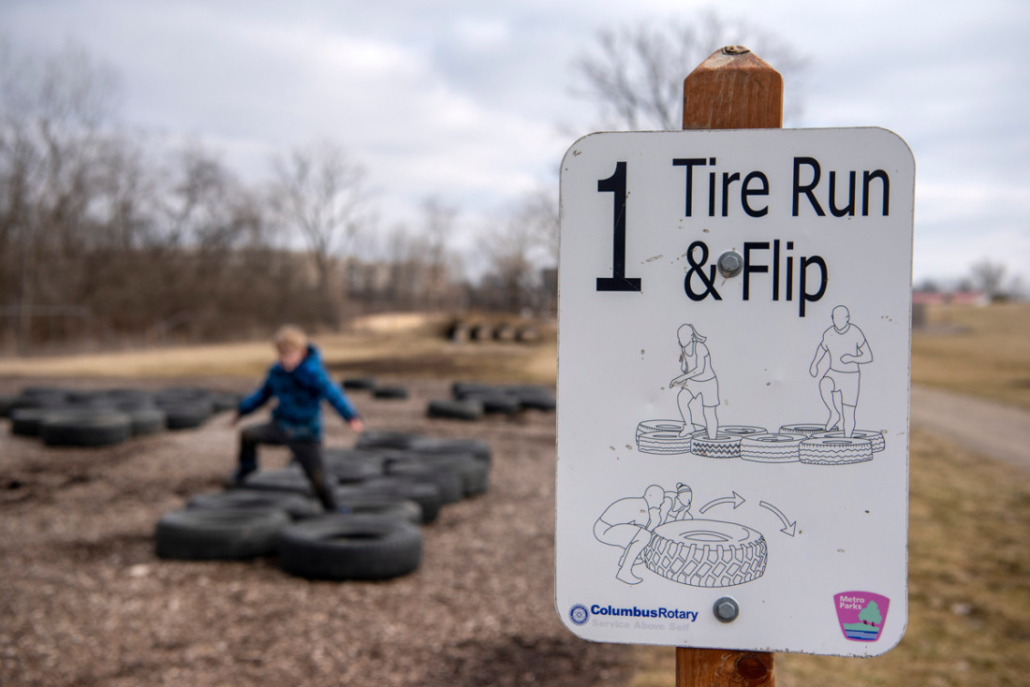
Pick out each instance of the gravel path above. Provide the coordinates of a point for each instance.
(999, 431)
(84, 601)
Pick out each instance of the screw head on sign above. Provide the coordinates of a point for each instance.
(730, 264)
(726, 609)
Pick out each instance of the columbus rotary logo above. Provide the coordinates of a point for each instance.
(578, 614)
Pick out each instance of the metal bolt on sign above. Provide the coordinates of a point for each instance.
(726, 609)
(730, 264)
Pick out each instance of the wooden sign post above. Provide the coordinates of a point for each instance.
(732, 89)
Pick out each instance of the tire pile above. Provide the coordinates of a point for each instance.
(472, 401)
(387, 485)
(64, 417)
(802, 442)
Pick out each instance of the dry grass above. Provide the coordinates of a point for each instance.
(969, 562)
(409, 345)
(979, 351)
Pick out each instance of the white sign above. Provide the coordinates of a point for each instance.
(735, 436)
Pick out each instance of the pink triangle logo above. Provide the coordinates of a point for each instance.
(861, 614)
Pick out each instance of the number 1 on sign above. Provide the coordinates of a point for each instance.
(616, 185)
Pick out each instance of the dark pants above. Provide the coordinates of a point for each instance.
(307, 453)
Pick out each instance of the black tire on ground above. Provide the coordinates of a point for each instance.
(706, 553)
(146, 420)
(291, 480)
(475, 474)
(455, 410)
(378, 439)
(358, 383)
(296, 506)
(426, 495)
(447, 479)
(385, 506)
(85, 428)
(461, 390)
(186, 415)
(390, 392)
(7, 404)
(496, 403)
(219, 534)
(349, 465)
(541, 401)
(350, 547)
(224, 402)
(26, 422)
(435, 446)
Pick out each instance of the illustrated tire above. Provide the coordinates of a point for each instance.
(722, 446)
(804, 429)
(835, 451)
(350, 547)
(770, 448)
(742, 430)
(219, 534)
(663, 443)
(875, 439)
(706, 553)
(659, 426)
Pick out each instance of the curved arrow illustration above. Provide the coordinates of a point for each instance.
(736, 500)
(788, 527)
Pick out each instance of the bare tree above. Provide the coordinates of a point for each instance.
(321, 192)
(989, 277)
(635, 74)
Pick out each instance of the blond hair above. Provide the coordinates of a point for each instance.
(291, 338)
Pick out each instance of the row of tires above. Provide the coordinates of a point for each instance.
(62, 417)
(376, 390)
(387, 485)
(474, 400)
(802, 442)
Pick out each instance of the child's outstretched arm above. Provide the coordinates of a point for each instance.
(255, 400)
(339, 401)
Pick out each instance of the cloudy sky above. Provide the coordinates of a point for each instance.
(470, 101)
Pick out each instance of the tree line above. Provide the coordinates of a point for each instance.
(108, 237)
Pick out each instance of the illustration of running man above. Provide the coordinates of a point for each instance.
(698, 383)
(847, 347)
(627, 523)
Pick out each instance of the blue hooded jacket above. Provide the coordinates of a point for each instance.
(300, 394)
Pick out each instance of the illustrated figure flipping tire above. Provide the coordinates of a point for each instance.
(627, 524)
(699, 387)
(847, 348)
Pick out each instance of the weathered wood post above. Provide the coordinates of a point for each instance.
(732, 89)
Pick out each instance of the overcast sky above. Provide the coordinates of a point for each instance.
(470, 101)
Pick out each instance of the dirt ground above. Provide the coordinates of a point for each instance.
(84, 601)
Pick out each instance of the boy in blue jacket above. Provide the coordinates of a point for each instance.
(299, 381)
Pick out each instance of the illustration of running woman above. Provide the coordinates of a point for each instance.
(699, 385)
(839, 386)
